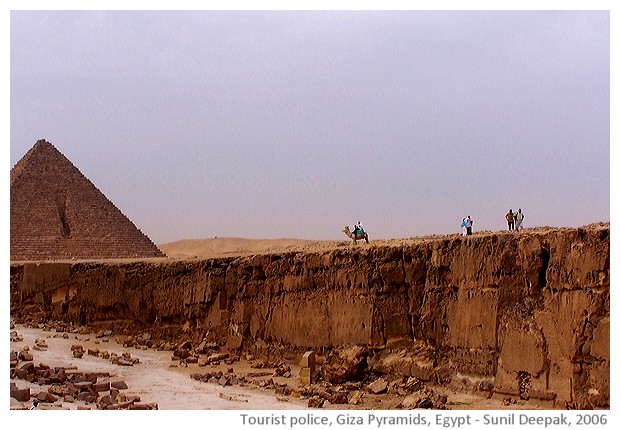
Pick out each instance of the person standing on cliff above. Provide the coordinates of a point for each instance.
(464, 226)
(519, 219)
(469, 225)
(510, 217)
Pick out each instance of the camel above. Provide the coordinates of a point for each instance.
(355, 236)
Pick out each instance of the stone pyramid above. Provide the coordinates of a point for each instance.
(58, 214)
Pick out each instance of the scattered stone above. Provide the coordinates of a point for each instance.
(25, 355)
(40, 345)
(29, 367)
(344, 364)
(15, 337)
(101, 386)
(119, 385)
(424, 399)
(232, 397)
(14, 360)
(22, 395)
(181, 353)
(46, 397)
(356, 398)
(77, 350)
(284, 390)
(507, 401)
(339, 399)
(216, 357)
(378, 386)
(315, 402)
(55, 390)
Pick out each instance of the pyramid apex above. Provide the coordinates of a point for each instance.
(42, 142)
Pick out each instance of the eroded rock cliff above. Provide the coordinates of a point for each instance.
(524, 314)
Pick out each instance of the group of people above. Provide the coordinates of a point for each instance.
(515, 220)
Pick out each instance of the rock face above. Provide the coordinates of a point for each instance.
(527, 312)
(57, 213)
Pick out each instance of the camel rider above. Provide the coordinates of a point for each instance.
(358, 228)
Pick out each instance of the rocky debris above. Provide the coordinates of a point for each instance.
(71, 385)
(345, 364)
(104, 333)
(229, 378)
(14, 360)
(339, 398)
(77, 351)
(216, 358)
(424, 399)
(21, 395)
(15, 337)
(184, 351)
(217, 378)
(206, 347)
(125, 359)
(25, 354)
(507, 401)
(232, 397)
(378, 386)
(258, 374)
(356, 397)
(40, 345)
(119, 385)
(315, 402)
(418, 361)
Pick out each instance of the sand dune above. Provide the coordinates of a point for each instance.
(232, 246)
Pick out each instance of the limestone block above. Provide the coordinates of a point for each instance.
(119, 385)
(21, 395)
(308, 360)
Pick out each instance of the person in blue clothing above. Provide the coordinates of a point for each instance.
(464, 226)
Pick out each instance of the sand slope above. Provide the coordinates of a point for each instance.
(230, 246)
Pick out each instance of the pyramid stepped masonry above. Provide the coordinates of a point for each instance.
(58, 214)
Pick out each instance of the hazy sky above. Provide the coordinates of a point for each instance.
(273, 124)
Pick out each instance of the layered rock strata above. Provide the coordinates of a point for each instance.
(525, 314)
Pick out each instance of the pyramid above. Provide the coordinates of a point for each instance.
(58, 214)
